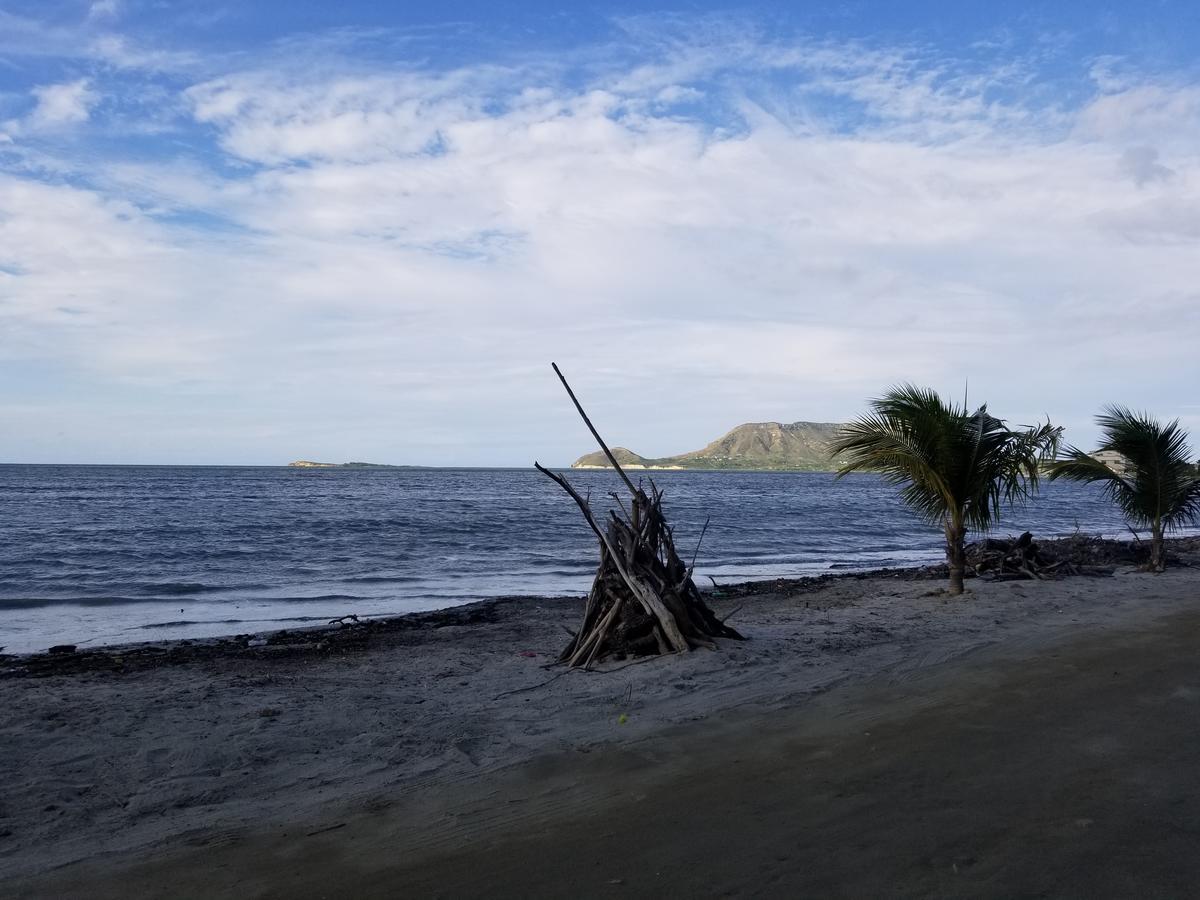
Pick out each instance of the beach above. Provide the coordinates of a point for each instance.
(559, 450)
(446, 758)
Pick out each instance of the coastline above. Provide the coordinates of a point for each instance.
(351, 633)
(107, 579)
(115, 765)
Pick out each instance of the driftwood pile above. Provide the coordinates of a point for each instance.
(1024, 558)
(643, 600)
(1021, 558)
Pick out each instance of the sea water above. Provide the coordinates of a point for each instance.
(103, 554)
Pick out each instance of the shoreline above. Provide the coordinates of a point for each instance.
(352, 632)
(110, 766)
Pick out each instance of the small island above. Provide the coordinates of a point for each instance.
(309, 464)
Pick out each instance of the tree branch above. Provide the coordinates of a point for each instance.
(592, 428)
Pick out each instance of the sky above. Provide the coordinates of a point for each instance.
(255, 232)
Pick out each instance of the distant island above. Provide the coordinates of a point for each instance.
(798, 447)
(309, 464)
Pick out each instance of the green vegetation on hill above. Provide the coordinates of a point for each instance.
(798, 447)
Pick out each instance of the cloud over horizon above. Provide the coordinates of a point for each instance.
(337, 245)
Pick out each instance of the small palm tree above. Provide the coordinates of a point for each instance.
(1156, 487)
(957, 467)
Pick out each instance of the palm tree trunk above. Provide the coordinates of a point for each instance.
(956, 556)
(1158, 561)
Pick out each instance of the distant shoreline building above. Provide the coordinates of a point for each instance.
(1113, 460)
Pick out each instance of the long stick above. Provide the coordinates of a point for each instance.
(579, 501)
(703, 530)
(592, 428)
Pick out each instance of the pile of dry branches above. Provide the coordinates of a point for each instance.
(643, 600)
(1012, 559)
(1024, 558)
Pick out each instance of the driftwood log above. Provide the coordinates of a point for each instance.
(643, 600)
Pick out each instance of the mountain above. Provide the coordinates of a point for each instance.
(800, 446)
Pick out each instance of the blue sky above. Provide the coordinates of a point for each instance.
(247, 233)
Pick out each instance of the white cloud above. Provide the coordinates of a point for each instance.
(1170, 111)
(61, 105)
(104, 9)
(674, 93)
(378, 252)
(124, 53)
(346, 118)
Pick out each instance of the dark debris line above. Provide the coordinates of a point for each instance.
(345, 635)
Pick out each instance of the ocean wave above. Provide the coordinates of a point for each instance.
(205, 539)
(113, 600)
(380, 579)
(175, 588)
(184, 623)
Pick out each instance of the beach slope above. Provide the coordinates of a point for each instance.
(871, 739)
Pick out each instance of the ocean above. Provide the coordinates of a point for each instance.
(105, 554)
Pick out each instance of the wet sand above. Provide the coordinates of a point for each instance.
(871, 739)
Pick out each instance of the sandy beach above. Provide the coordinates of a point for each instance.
(561, 450)
(872, 736)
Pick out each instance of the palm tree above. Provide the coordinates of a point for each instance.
(1156, 487)
(957, 467)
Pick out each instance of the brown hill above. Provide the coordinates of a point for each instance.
(799, 446)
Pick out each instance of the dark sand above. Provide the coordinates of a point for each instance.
(1063, 768)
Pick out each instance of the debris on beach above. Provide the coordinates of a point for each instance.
(1078, 554)
(1020, 558)
(643, 600)
(321, 641)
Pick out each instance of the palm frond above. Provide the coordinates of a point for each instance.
(1158, 482)
(882, 444)
(1080, 466)
(956, 467)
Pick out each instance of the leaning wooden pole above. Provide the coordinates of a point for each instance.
(643, 600)
(592, 428)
